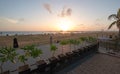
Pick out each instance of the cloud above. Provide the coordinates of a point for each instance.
(65, 12)
(98, 19)
(69, 12)
(99, 22)
(14, 21)
(79, 24)
(10, 20)
(62, 12)
(48, 7)
(21, 19)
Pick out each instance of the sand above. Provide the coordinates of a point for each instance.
(45, 38)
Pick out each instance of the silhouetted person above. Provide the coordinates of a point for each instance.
(50, 40)
(57, 41)
(7, 34)
(110, 36)
(15, 43)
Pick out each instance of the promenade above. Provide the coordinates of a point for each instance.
(99, 63)
(102, 62)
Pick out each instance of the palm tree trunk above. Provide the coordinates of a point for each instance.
(119, 34)
(62, 49)
(118, 40)
(24, 63)
(70, 47)
(74, 47)
(39, 58)
(1, 68)
(53, 53)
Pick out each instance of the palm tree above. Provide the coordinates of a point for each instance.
(29, 51)
(76, 43)
(63, 42)
(71, 42)
(83, 40)
(22, 58)
(32, 51)
(53, 48)
(7, 54)
(92, 39)
(117, 21)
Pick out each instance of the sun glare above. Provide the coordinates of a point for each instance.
(65, 24)
(64, 27)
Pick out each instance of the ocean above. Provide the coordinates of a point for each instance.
(12, 33)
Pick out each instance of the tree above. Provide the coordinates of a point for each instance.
(22, 58)
(30, 51)
(27, 49)
(116, 17)
(53, 48)
(35, 52)
(63, 42)
(7, 54)
(83, 40)
(91, 39)
(76, 43)
(71, 42)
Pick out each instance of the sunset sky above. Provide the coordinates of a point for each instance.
(56, 15)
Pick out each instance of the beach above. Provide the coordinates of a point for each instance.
(38, 39)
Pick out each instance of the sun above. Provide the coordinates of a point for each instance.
(64, 27)
(65, 24)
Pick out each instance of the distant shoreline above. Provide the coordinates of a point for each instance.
(14, 33)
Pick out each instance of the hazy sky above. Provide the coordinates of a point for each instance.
(52, 15)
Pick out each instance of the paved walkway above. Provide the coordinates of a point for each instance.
(47, 54)
(109, 52)
(100, 63)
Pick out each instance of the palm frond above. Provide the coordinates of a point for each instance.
(114, 16)
(118, 13)
(118, 23)
(112, 24)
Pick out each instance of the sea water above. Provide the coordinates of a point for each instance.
(11, 33)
